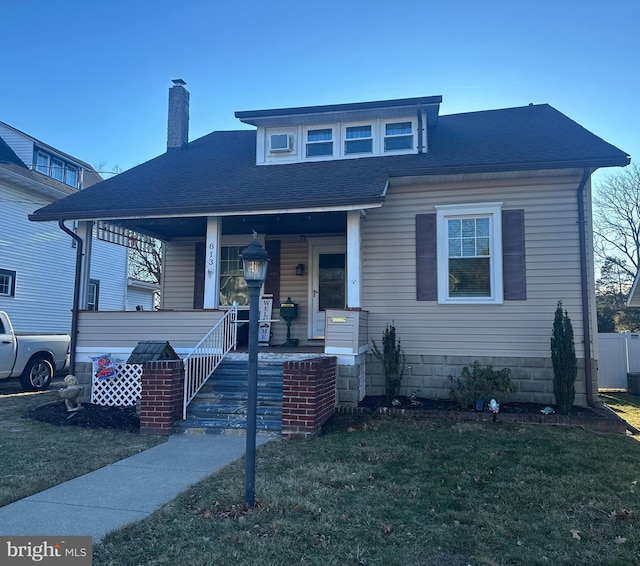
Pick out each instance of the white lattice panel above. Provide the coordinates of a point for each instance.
(122, 390)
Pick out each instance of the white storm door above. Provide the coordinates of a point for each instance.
(328, 285)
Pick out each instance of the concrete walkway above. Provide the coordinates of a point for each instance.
(123, 492)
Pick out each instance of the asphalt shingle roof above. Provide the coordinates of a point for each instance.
(217, 173)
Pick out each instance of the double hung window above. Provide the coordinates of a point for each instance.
(7, 283)
(93, 295)
(470, 253)
(398, 135)
(233, 287)
(319, 142)
(57, 169)
(358, 139)
(42, 163)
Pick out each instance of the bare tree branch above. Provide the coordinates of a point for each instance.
(616, 220)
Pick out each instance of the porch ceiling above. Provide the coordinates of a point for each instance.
(167, 229)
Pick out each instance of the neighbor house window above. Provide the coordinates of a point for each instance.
(42, 163)
(398, 135)
(319, 142)
(93, 295)
(358, 139)
(469, 253)
(56, 168)
(7, 283)
(233, 287)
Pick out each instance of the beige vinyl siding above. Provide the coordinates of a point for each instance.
(293, 250)
(177, 280)
(346, 331)
(124, 329)
(514, 328)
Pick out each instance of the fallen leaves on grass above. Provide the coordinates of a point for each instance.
(623, 514)
(233, 512)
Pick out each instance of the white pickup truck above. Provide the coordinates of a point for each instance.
(33, 357)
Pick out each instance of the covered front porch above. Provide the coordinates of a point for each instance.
(316, 263)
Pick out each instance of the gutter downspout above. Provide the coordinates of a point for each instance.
(76, 295)
(586, 319)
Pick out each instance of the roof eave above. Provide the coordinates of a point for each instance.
(317, 206)
(520, 166)
(332, 111)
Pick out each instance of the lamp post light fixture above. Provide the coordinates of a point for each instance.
(254, 264)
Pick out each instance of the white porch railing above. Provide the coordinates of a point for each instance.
(207, 355)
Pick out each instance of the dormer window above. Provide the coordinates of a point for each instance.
(56, 168)
(398, 136)
(319, 142)
(358, 139)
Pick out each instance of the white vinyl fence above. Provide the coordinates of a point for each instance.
(619, 355)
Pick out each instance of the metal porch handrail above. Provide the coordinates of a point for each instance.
(207, 355)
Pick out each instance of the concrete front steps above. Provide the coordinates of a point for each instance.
(221, 405)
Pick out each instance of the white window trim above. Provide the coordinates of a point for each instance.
(344, 140)
(39, 166)
(494, 211)
(56, 168)
(334, 141)
(11, 275)
(414, 134)
(242, 242)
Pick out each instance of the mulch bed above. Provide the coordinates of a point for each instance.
(89, 416)
(125, 418)
(599, 418)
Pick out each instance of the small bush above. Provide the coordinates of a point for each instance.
(392, 358)
(479, 383)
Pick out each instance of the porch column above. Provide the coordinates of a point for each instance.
(85, 231)
(212, 263)
(354, 260)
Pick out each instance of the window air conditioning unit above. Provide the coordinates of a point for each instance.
(280, 143)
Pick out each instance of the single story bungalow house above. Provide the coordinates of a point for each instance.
(462, 230)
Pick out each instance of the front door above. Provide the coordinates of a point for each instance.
(328, 285)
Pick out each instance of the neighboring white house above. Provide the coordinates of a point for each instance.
(141, 295)
(37, 261)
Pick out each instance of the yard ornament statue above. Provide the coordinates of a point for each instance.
(71, 392)
(494, 407)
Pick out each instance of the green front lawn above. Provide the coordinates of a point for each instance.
(387, 491)
(625, 405)
(36, 456)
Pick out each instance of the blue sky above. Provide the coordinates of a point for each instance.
(91, 78)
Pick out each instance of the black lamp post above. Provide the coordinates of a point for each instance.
(254, 263)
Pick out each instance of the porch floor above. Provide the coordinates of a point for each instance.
(280, 352)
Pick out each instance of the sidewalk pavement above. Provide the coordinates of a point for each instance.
(123, 492)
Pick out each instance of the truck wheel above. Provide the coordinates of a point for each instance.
(37, 375)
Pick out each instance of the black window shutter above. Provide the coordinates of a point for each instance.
(272, 282)
(426, 260)
(198, 277)
(514, 269)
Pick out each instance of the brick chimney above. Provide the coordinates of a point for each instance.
(178, 123)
